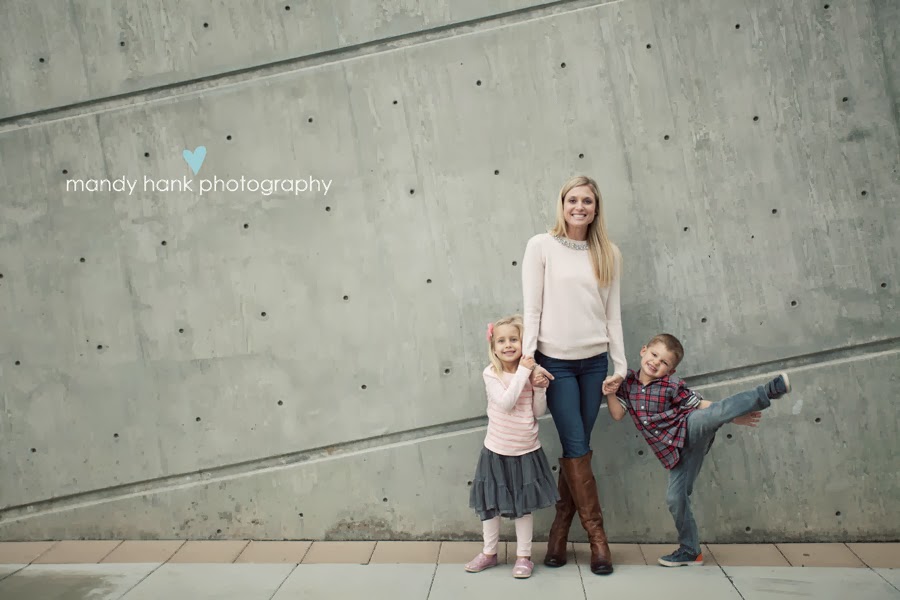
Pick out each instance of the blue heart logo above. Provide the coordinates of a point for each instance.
(195, 159)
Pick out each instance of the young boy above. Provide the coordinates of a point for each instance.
(680, 427)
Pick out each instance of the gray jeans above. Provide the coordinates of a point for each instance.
(702, 426)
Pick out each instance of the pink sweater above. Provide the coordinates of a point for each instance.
(567, 315)
(513, 407)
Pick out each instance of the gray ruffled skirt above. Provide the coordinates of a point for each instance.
(511, 486)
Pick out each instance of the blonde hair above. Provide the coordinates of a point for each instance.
(604, 254)
(515, 321)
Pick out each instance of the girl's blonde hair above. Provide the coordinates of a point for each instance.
(604, 254)
(515, 321)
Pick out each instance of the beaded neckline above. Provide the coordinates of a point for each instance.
(571, 243)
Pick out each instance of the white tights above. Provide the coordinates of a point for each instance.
(524, 533)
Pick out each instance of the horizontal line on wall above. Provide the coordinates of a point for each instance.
(404, 438)
(288, 66)
(862, 351)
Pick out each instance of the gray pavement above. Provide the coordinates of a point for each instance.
(157, 581)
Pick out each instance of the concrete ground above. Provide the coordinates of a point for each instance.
(247, 570)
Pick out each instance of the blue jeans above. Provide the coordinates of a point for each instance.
(702, 427)
(574, 398)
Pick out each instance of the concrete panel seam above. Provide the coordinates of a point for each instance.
(799, 363)
(291, 66)
(238, 470)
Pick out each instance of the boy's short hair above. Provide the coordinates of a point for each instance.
(672, 345)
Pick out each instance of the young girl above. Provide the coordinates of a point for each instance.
(513, 477)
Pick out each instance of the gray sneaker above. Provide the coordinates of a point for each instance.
(779, 386)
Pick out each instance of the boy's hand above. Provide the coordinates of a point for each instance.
(750, 419)
(611, 384)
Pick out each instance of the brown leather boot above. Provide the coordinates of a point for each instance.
(583, 486)
(559, 532)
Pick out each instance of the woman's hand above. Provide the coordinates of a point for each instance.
(611, 384)
(527, 362)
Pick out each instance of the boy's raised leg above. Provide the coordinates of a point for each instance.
(705, 422)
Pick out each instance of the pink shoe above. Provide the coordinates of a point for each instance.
(523, 568)
(481, 562)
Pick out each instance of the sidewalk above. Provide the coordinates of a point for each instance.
(243, 570)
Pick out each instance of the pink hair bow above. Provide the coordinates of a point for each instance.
(490, 331)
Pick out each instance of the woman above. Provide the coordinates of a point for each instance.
(573, 327)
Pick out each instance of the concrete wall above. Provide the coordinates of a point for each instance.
(307, 366)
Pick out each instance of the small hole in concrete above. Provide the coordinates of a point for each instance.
(553, 468)
(665, 137)
(496, 172)
(514, 263)
(34, 449)
(146, 155)
(864, 192)
(738, 26)
(581, 156)
(115, 435)
(685, 228)
(288, 7)
(883, 284)
(363, 386)
(640, 452)
(180, 330)
(327, 209)
(395, 102)
(163, 243)
(563, 65)
(774, 211)
(198, 419)
(81, 259)
(246, 225)
(478, 82)
(218, 531)
(752, 237)
(826, 7)
(793, 303)
(837, 514)
(228, 137)
(468, 483)
(65, 171)
(703, 320)
(99, 346)
(346, 297)
(411, 192)
(845, 99)
(756, 118)
(18, 363)
(384, 499)
(729, 436)
(648, 46)
(262, 314)
(281, 403)
(446, 371)
(310, 120)
(206, 24)
(300, 515)
(41, 60)
(747, 529)
(122, 44)
(427, 281)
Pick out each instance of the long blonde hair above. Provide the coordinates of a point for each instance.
(515, 321)
(604, 254)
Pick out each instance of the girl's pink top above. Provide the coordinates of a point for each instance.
(513, 406)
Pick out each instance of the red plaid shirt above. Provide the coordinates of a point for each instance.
(659, 410)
